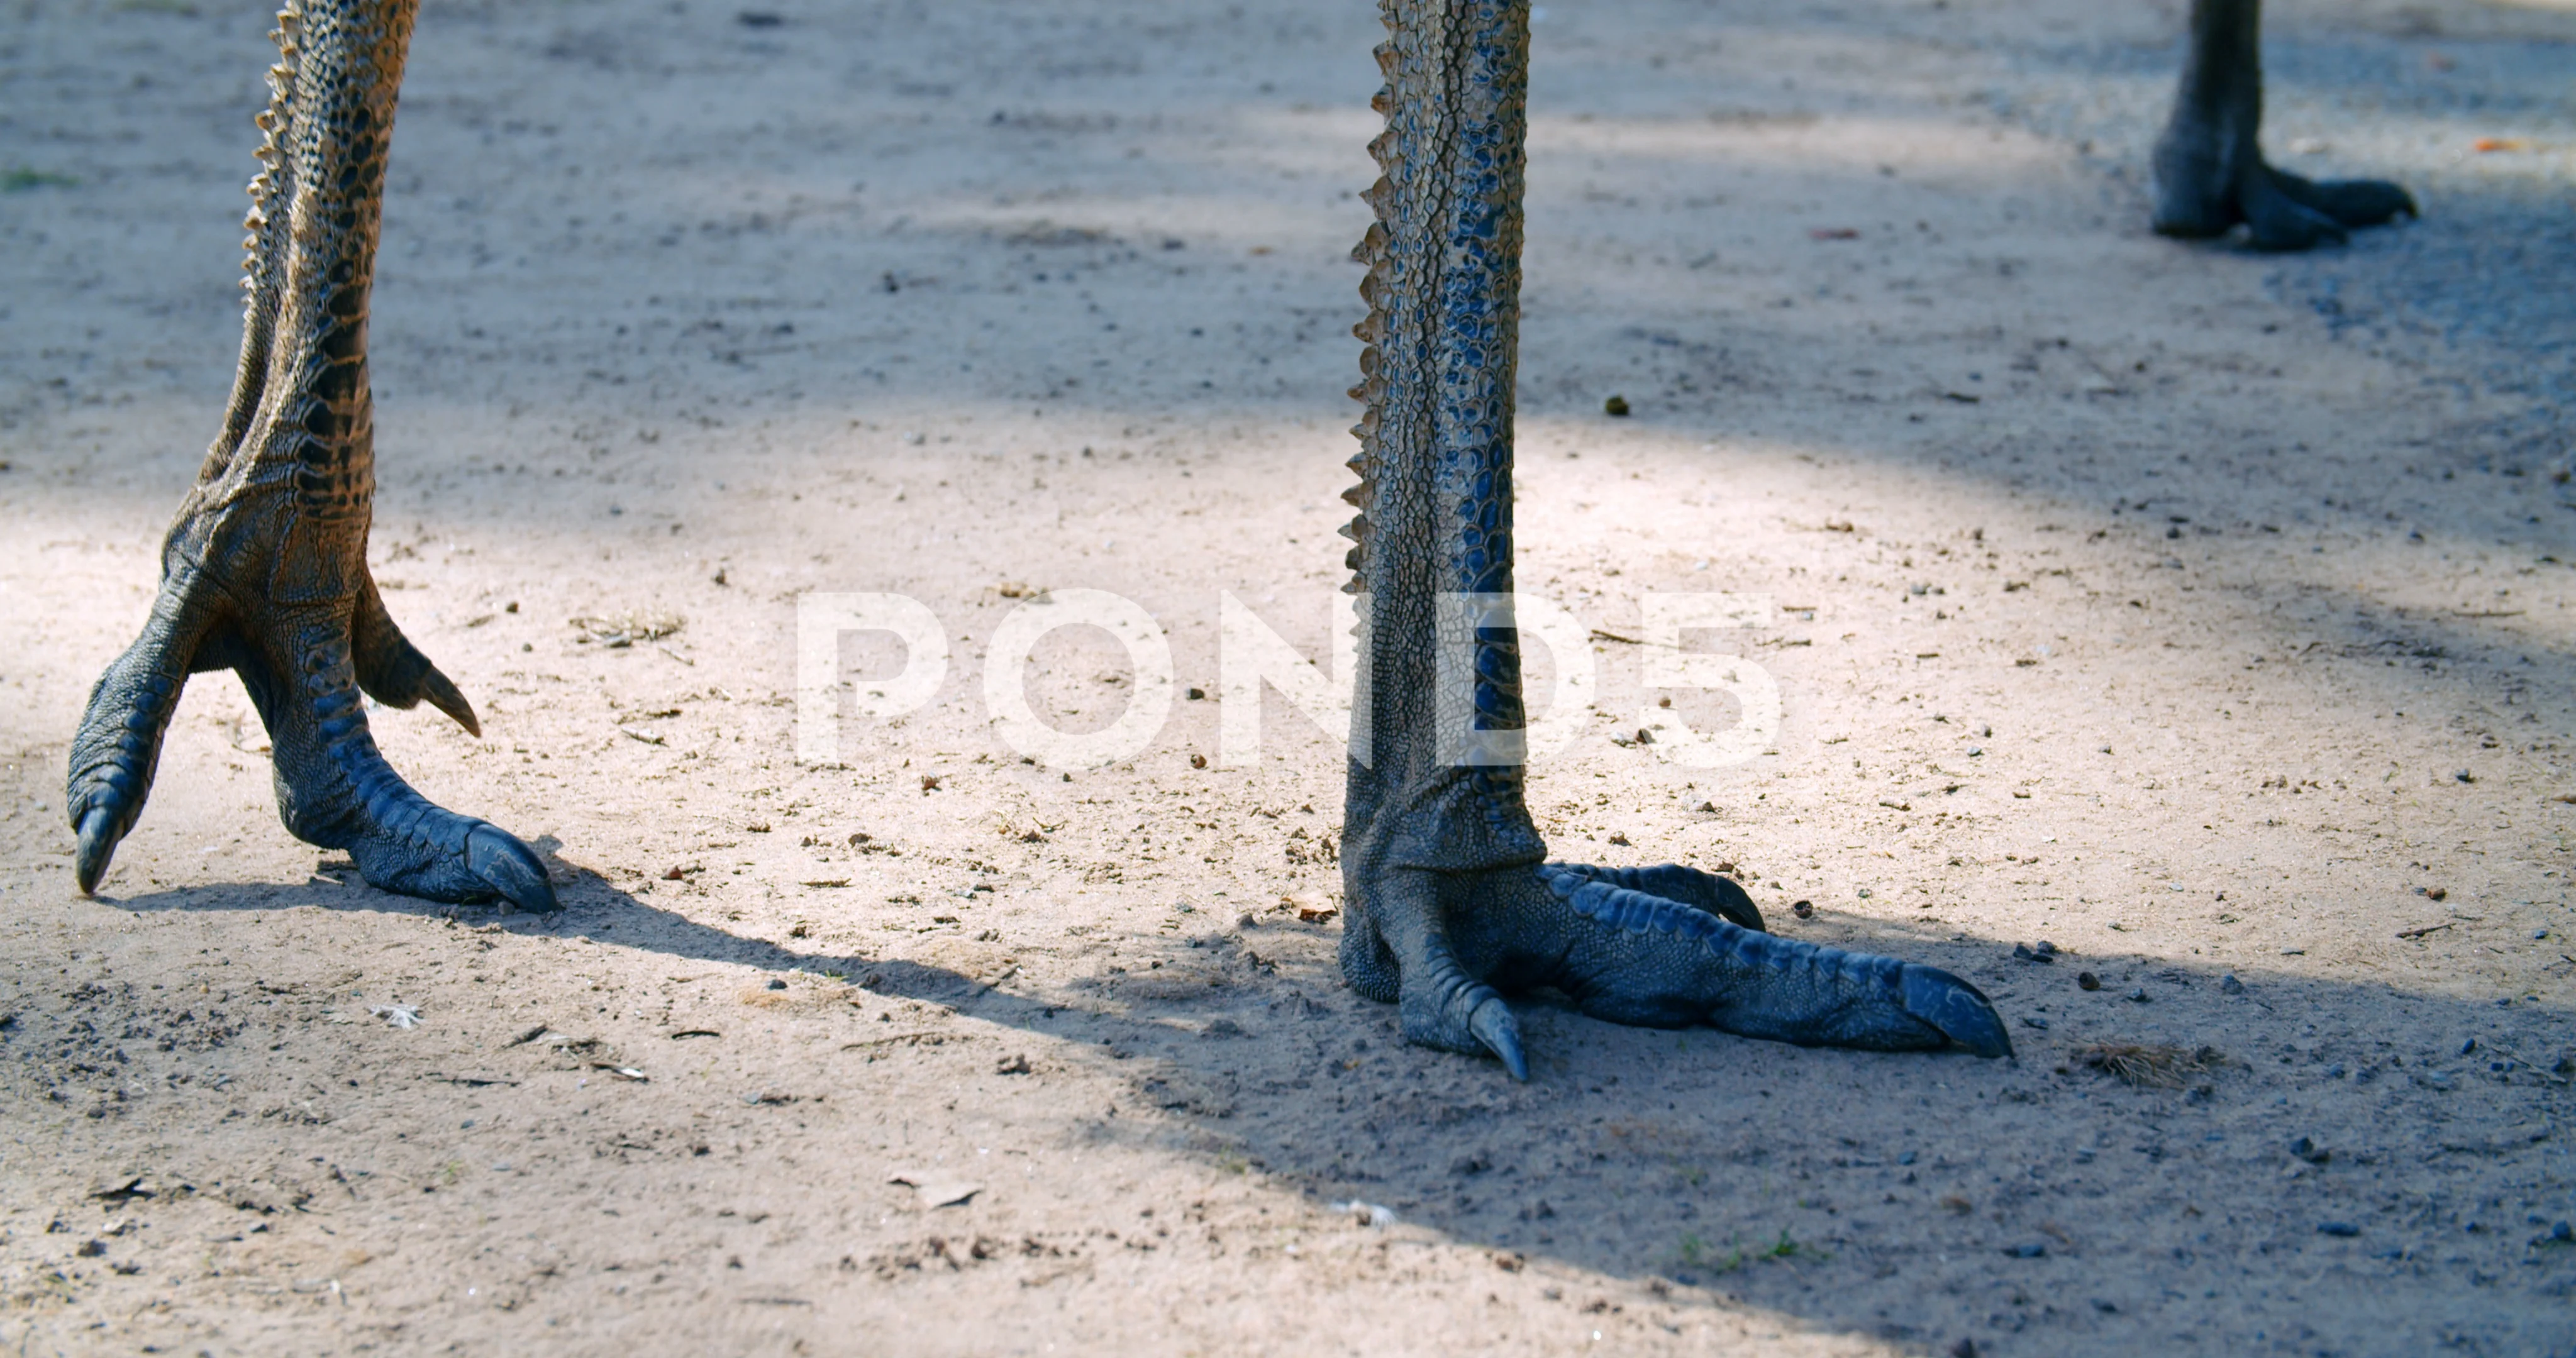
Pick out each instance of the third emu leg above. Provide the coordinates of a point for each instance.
(1450, 900)
(2209, 170)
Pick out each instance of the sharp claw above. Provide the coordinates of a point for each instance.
(1493, 1025)
(98, 840)
(446, 697)
(393, 671)
(1958, 1009)
(512, 868)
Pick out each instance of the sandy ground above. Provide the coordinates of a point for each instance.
(2206, 615)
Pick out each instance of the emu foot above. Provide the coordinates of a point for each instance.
(2201, 195)
(1663, 947)
(304, 660)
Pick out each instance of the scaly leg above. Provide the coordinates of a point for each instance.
(264, 572)
(2209, 170)
(1450, 902)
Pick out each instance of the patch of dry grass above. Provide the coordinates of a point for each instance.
(2146, 1066)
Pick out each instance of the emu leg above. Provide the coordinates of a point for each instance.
(1450, 902)
(2209, 170)
(264, 571)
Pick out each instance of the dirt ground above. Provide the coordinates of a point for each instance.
(2206, 615)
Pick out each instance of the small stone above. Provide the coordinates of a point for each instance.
(777, 983)
(2341, 1229)
(2085, 980)
(2138, 996)
(1965, 1348)
(2229, 985)
(2310, 1151)
(1616, 407)
(2468, 1046)
(2436, 893)
(2030, 1250)
(1803, 909)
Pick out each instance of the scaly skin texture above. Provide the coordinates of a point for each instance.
(1451, 903)
(2209, 170)
(264, 572)
(1449, 899)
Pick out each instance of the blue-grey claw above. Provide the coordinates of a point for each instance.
(512, 868)
(98, 837)
(1493, 1025)
(1958, 1009)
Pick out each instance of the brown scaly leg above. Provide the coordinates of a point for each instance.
(2209, 170)
(264, 572)
(1451, 904)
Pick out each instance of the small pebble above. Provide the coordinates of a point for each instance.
(2337, 1228)
(1616, 406)
(2085, 980)
(777, 984)
(2138, 996)
(2468, 1046)
(2229, 985)
(2033, 1250)
(1803, 909)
